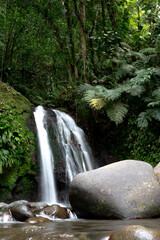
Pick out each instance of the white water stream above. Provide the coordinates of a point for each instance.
(73, 147)
(47, 161)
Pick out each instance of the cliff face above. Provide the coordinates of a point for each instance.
(17, 146)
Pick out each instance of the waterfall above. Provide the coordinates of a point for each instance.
(75, 149)
(64, 152)
(46, 157)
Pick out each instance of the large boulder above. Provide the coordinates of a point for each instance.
(157, 171)
(136, 233)
(125, 189)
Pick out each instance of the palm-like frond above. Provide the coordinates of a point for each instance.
(156, 114)
(154, 104)
(156, 93)
(115, 93)
(142, 121)
(126, 46)
(135, 90)
(125, 70)
(117, 111)
(84, 87)
(89, 95)
(138, 55)
(98, 103)
(148, 51)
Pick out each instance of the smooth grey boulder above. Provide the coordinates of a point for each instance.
(125, 189)
(157, 171)
(136, 233)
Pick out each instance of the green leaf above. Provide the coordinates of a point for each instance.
(142, 121)
(98, 103)
(117, 111)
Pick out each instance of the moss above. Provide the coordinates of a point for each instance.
(8, 177)
(17, 143)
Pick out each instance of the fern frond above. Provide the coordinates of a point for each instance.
(148, 51)
(125, 70)
(142, 121)
(84, 87)
(156, 93)
(137, 55)
(136, 90)
(125, 46)
(155, 113)
(157, 71)
(116, 112)
(88, 95)
(143, 76)
(113, 94)
(154, 104)
(101, 91)
(98, 103)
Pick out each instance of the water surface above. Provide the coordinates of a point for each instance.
(69, 229)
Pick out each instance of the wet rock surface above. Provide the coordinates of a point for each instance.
(21, 212)
(136, 233)
(125, 189)
(37, 220)
(32, 212)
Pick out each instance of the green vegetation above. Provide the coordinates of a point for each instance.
(16, 141)
(99, 59)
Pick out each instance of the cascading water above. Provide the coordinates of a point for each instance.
(64, 152)
(75, 149)
(46, 156)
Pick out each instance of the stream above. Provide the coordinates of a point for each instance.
(78, 229)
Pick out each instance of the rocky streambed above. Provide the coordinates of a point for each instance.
(128, 190)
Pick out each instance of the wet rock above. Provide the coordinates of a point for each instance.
(21, 212)
(38, 220)
(136, 233)
(37, 205)
(19, 202)
(55, 211)
(3, 205)
(125, 189)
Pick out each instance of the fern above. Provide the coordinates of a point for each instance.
(89, 95)
(113, 94)
(155, 113)
(117, 111)
(98, 103)
(125, 70)
(84, 87)
(126, 46)
(142, 121)
(135, 90)
(148, 51)
(141, 74)
(138, 55)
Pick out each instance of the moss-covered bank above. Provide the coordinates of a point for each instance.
(17, 145)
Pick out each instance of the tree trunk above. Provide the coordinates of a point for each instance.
(83, 40)
(68, 17)
(82, 18)
(91, 42)
(63, 51)
(112, 13)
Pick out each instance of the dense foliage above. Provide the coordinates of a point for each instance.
(98, 58)
(17, 143)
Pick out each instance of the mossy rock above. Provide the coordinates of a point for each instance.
(17, 143)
